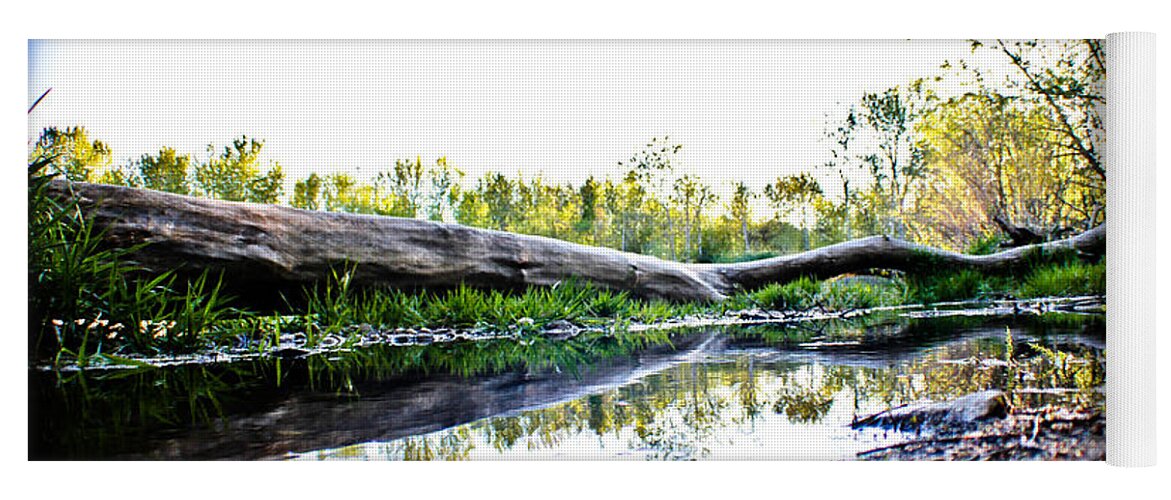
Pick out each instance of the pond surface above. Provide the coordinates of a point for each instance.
(777, 391)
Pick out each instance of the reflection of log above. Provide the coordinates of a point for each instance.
(306, 420)
(270, 246)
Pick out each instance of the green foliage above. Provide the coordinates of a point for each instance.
(1065, 369)
(307, 193)
(168, 171)
(947, 286)
(1067, 80)
(988, 157)
(896, 166)
(864, 295)
(235, 174)
(67, 269)
(795, 193)
(835, 295)
(499, 198)
(798, 294)
(739, 207)
(71, 153)
(334, 306)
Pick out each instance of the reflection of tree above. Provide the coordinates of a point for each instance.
(505, 432)
(675, 414)
(451, 446)
(747, 393)
(804, 406)
(690, 414)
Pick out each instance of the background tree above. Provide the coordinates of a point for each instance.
(840, 165)
(405, 187)
(653, 166)
(445, 190)
(72, 153)
(795, 194)
(342, 193)
(1067, 78)
(631, 197)
(740, 207)
(499, 198)
(691, 196)
(472, 210)
(589, 223)
(307, 193)
(897, 161)
(990, 158)
(235, 174)
(168, 171)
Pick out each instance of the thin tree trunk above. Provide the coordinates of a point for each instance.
(744, 230)
(671, 233)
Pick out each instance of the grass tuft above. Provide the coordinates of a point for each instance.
(86, 299)
(1067, 279)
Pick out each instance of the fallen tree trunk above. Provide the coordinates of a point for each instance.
(276, 247)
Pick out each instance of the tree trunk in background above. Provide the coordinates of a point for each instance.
(744, 231)
(268, 247)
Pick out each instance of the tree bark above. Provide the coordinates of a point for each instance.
(269, 247)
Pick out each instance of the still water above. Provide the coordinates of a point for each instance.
(778, 391)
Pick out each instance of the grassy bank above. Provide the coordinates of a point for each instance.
(86, 299)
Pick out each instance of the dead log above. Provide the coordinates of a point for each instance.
(269, 246)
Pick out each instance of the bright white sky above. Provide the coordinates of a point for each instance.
(750, 110)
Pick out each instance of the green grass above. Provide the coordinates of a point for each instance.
(835, 295)
(1055, 277)
(1066, 279)
(335, 306)
(86, 299)
(961, 285)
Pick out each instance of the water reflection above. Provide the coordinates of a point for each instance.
(775, 392)
(749, 409)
